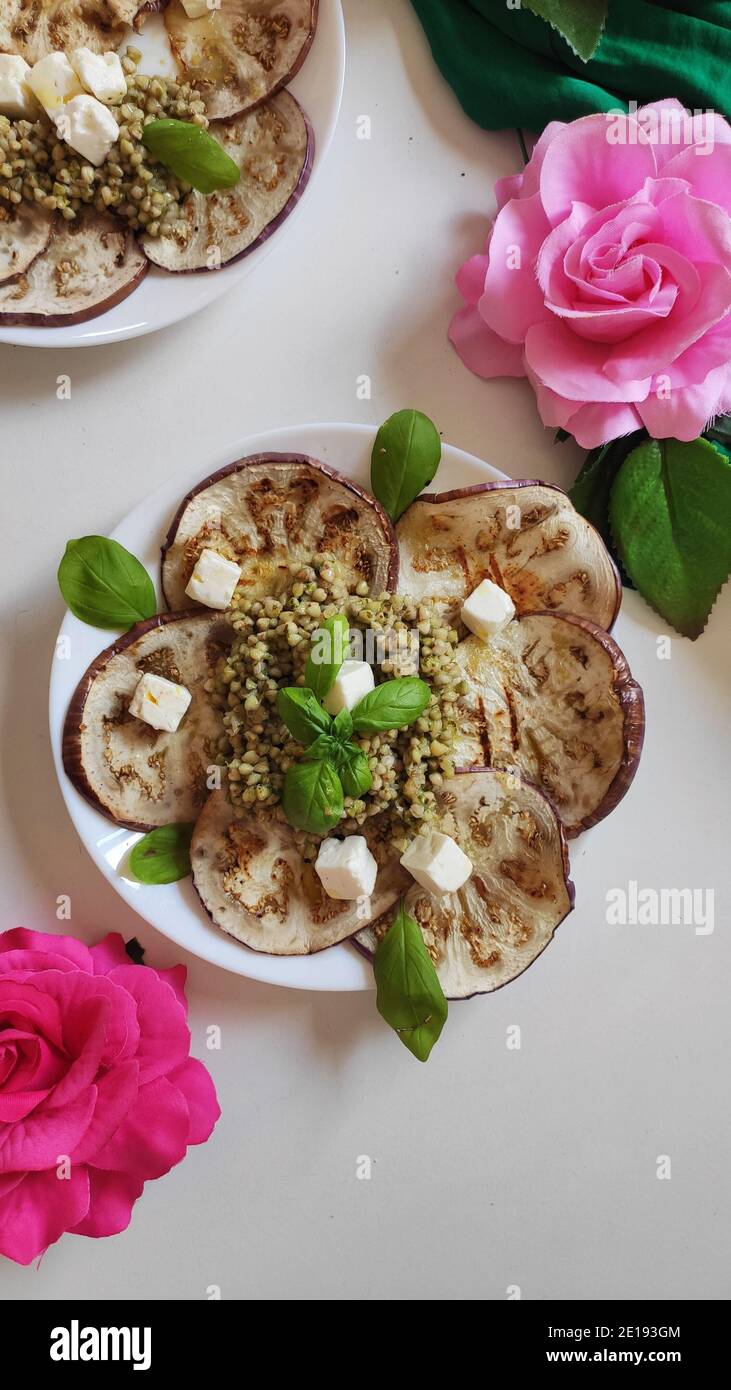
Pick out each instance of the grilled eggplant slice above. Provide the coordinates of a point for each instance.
(274, 148)
(253, 882)
(25, 232)
(244, 51)
(553, 697)
(136, 775)
(89, 266)
(270, 510)
(493, 928)
(525, 536)
(33, 28)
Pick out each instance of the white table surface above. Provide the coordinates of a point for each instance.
(490, 1167)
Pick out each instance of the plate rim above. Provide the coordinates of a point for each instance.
(286, 971)
(85, 335)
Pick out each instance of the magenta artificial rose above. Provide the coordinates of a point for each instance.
(606, 279)
(98, 1093)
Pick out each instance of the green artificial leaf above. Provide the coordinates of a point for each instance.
(392, 705)
(579, 22)
(353, 770)
(104, 585)
(302, 713)
(409, 996)
(191, 154)
(328, 652)
(163, 855)
(312, 796)
(135, 950)
(591, 490)
(719, 433)
(405, 458)
(670, 512)
(343, 725)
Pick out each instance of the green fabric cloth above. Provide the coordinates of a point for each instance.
(509, 68)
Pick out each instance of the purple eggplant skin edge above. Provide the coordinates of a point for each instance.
(568, 883)
(21, 320)
(274, 460)
(256, 951)
(275, 223)
(632, 703)
(71, 736)
(476, 488)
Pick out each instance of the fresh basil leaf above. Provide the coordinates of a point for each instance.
(579, 22)
(354, 771)
(392, 705)
(343, 725)
(670, 512)
(409, 996)
(191, 154)
(163, 855)
(312, 796)
(302, 713)
(405, 458)
(328, 652)
(104, 585)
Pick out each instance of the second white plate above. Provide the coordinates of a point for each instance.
(163, 299)
(174, 909)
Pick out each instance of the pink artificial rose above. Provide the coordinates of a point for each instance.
(606, 279)
(97, 1091)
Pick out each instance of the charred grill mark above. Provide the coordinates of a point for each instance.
(161, 663)
(581, 655)
(463, 562)
(495, 572)
(525, 877)
(481, 828)
(539, 670)
(127, 773)
(512, 711)
(483, 733)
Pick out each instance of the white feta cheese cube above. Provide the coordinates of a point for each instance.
(346, 868)
(159, 702)
(196, 9)
(353, 681)
(487, 610)
(213, 580)
(53, 81)
(16, 98)
(101, 73)
(437, 863)
(88, 126)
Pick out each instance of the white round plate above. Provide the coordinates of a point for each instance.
(162, 298)
(174, 908)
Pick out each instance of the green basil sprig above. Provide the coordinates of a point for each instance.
(163, 855)
(104, 585)
(191, 154)
(332, 765)
(392, 705)
(327, 654)
(312, 796)
(405, 458)
(408, 993)
(302, 713)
